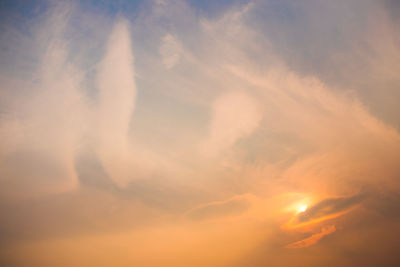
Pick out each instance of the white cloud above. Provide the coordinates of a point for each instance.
(117, 93)
(44, 122)
(235, 115)
(170, 51)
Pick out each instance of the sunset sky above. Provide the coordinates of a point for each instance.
(191, 133)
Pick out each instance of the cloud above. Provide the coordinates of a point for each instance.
(235, 115)
(170, 51)
(328, 207)
(192, 137)
(217, 209)
(312, 240)
(117, 92)
(43, 121)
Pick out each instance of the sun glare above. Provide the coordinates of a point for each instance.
(302, 208)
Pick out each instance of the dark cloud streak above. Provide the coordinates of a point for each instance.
(328, 207)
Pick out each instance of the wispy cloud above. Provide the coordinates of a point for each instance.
(196, 137)
(170, 51)
(312, 240)
(117, 93)
(235, 115)
(328, 207)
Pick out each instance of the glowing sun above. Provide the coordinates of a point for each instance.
(302, 208)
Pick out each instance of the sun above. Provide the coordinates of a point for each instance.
(302, 208)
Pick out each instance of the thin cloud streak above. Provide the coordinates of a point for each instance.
(312, 240)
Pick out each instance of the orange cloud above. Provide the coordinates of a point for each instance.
(313, 239)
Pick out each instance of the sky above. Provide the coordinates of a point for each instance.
(199, 133)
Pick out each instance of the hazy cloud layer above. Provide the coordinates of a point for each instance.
(174, 133)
